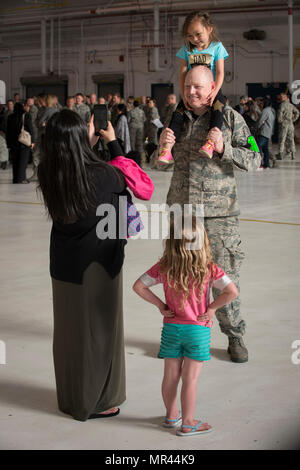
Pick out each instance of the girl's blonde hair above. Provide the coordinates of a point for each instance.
(205, 20)
(187, 258)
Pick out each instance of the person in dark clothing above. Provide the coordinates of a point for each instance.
(85, 267)
(19, 153)
(251, 117)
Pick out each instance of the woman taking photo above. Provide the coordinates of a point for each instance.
(86, 270)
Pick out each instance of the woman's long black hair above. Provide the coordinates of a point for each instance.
(64, 172)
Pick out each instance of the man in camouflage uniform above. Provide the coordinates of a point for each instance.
(136, 119)
(151, 113)
(81, 108)
(211, 184)
(116, 99)
(169, 108)
(287, 115)
(33, 111)
(40, 130)
(150, 129)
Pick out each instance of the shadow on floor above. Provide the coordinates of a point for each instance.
(28, 397)
(145, 348)
(149, 422)
(135, 346)
(220, 354)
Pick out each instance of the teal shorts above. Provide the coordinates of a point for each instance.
(192, 341)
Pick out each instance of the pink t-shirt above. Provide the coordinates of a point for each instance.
(192, 307)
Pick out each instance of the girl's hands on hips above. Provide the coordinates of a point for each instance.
(166, 312)
(208, 315)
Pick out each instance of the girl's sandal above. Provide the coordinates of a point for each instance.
(172, 423)
(194, 430)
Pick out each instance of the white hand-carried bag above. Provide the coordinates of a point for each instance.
(24, 136)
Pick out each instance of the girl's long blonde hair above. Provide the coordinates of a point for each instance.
(205, 20)
(187, 258)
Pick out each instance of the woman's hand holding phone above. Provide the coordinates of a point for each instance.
(93, 138)
(108, 134)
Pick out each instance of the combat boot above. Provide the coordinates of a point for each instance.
(237, 349)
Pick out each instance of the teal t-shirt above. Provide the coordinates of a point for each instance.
(208, 56)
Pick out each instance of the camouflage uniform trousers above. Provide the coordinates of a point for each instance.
(36, 154)
(225, 240)
(137, 138)
(286, 141)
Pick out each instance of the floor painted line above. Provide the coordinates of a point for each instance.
(269, 222)
(23, 202)
(161, 212)
(243, 220)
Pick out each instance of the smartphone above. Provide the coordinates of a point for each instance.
(100, 117)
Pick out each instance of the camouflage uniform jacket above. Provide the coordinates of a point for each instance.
(211, 182)
(33, 113)
(3, 148)
(136, 118)
(83, 110)
(287, 113)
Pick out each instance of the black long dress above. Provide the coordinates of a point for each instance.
(88, 342)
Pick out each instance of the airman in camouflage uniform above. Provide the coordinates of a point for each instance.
(151, 113)
(136, 120)
(211, 184)
(81, 108)
(169, 108)
(287, 115)
(40, 130)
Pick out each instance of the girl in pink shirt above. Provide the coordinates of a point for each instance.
(187, 273)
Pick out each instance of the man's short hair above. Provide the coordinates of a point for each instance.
(79, 94)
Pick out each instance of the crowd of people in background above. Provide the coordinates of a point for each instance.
(261, 117)
(137, 123)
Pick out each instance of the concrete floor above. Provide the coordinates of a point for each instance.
(250, 406)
